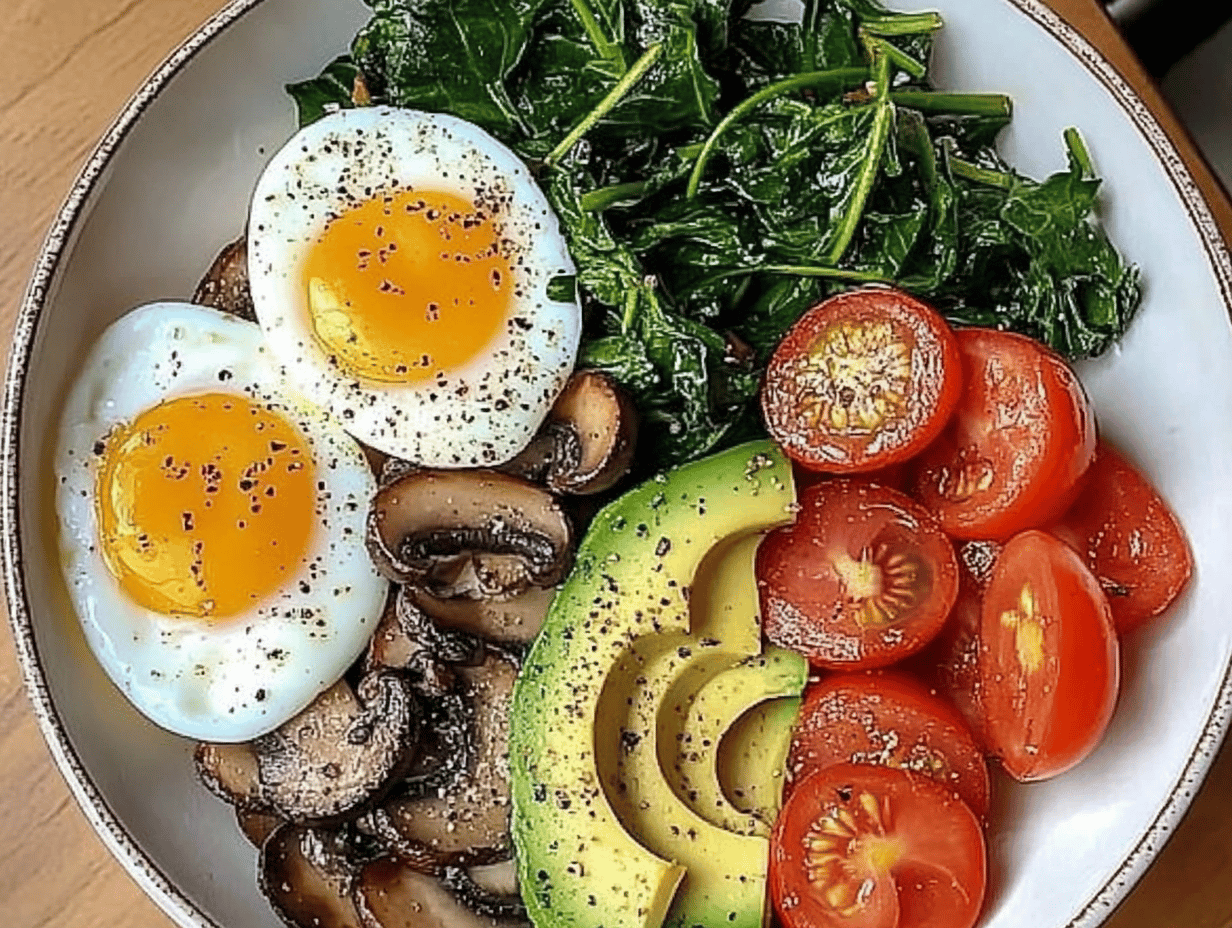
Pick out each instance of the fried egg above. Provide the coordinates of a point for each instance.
(400, 264)
(211, 525)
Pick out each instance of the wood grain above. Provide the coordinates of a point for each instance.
(66, 67)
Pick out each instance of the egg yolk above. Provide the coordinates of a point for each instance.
(408, 285)
(206, 504)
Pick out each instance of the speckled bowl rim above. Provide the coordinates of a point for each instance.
(51, 258)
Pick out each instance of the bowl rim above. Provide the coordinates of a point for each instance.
(56, 246)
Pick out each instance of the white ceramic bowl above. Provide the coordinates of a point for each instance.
(168, 187)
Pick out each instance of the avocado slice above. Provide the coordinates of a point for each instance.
(728, 758)
(575, 750)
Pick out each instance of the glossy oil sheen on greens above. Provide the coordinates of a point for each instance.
(849, 168)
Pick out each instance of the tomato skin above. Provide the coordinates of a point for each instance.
(863, 380)
(1017, 445)
(863, 578)
(951, 662)
(889, 718)
(1049, 658)
(904, 852)
(1129, 537)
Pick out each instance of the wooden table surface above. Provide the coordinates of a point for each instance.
(66, 67)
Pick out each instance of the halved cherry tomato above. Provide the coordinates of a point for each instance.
(1049, 659)
(864, 577)
(859, 846)
(1022, 436)
(1130, 539)
(863, 380)
(888, 718)
(951, 662)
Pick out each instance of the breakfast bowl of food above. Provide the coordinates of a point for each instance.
(635, 463)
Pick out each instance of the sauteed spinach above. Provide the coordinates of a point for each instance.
(716, 174)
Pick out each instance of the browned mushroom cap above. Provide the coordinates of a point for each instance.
(602, 421)
(466, 821)
(467, 885)
(390, 894)
(586, 445)
(307, 876)
(406, 639)
(515, 620)
(225, 284)
(230, 772)
(257, 825)
(342, 752)
(473, 533)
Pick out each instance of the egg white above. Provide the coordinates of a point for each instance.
(481, 413)
(237, 678)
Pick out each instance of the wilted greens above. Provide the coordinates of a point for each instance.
(716, 174)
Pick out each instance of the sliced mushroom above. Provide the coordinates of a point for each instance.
(230, 772)
(390, 894)
(407, 639)
(503, 905)
(587, 443)
(515, 620)
(307, 875)
(257, 825)
(466, 822)
(225, 284)
(500, 878)
(602, 422)
(343, 752)
(473, 533)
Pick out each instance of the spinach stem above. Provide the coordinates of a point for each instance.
(613, 97)
(606, 49)
(1079, 156)
(897, 56)
(883, 118)
(801, 270)
(831, 273)
(626, 319)
(968, 171)
(843, 77)
(903, 24)
(597, 200)
(960, 104)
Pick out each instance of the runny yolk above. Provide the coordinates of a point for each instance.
(407, 285)
(205, 504)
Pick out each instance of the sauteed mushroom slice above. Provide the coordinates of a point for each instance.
(504, 904)
(473, 533)
(601, 423)
(225, 284)
(257, 825)
(586, 445)
(391, 894)
(343, 752)
(466, 822)
(307, 875)
(407, 639)
(515, 620)
(230, 772)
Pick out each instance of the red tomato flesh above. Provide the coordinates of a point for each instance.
(863, 380)
(1049, 659)
(887, 718)
(863, 578)
(860, 846)
(1022, 436)
(1130, 539)
(951, 662)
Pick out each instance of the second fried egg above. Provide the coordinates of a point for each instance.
(211, 525)
(400, 264)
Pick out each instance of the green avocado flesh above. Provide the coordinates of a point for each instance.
(728, 758)
(660, 610)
